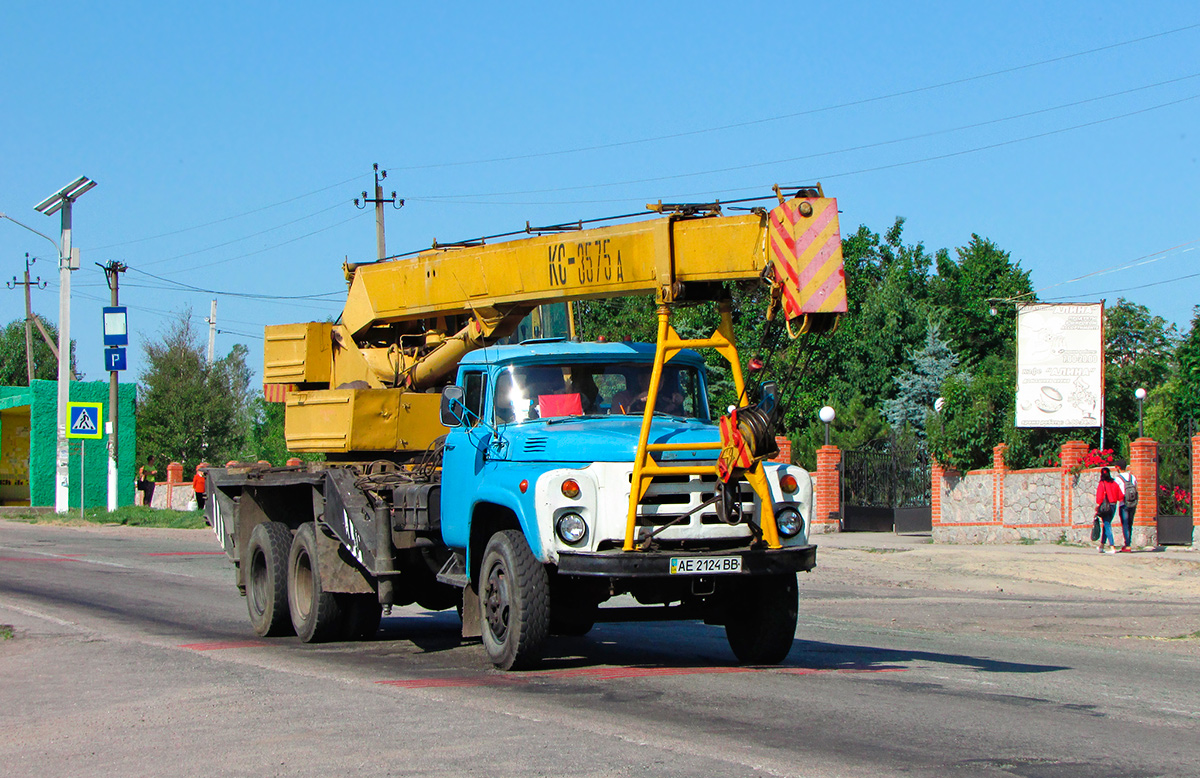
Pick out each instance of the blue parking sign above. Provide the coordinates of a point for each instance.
(114, 359)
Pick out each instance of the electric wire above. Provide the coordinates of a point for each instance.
(846, 150)
(859, 171)
(272, 247)
(245, 237)
(226, 218)
(811, 111)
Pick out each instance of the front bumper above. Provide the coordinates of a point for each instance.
(644, 564)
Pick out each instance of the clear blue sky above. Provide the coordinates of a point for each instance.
(228, 139)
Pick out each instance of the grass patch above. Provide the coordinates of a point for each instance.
(6, 632)
(1027, 541)
(885, 550)
(128, 516)
(1195, 635)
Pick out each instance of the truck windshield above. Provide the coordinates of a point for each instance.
(528, 392)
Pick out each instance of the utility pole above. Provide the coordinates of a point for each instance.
(68, 260)
(212, 333)
(379, 200)
(40, 284)
(112, 273)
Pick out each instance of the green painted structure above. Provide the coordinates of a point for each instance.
(29, 413)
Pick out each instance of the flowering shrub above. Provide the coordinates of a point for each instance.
(1174, 501)
(1096, 457)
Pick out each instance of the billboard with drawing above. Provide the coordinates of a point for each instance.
(1060, 365)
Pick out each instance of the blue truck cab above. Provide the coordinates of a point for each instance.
(535, 490)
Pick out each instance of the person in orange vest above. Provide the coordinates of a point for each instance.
(199, 484)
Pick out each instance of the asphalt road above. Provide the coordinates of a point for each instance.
(132, 655)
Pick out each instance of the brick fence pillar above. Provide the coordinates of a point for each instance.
(937, 475)
(827, 510)
(1196, 485)
(1071, 454)
(785, 450)
(998, 470)
(1143, 463)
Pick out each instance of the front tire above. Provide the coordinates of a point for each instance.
(761, 622)
(266, 561)
(515, 602)
(316, 614)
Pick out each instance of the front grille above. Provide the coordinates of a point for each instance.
(670, 496)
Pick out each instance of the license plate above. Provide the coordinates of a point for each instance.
(705, 565)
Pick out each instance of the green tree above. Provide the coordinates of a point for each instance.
(918, 387)
(190, 411)
(1138, 349)
(13, 367)
(1188, 360)
(968, 294)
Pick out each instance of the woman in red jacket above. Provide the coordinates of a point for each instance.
(1108, 491)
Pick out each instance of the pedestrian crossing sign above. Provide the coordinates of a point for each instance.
(84, 420)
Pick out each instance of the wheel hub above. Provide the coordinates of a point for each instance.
(496, 602)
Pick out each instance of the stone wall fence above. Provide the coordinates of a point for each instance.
(999, 505)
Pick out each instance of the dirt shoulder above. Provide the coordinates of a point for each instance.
(1167, 573)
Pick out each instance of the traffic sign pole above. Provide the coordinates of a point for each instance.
(116, 316)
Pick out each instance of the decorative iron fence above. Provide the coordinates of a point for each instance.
(885, 486)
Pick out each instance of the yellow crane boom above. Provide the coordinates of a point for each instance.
(360, 383)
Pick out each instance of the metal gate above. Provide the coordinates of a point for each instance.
(886, 486)
(1174, 491)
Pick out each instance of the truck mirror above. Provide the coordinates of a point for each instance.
(452, 406)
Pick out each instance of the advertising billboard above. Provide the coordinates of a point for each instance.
(1060, 365)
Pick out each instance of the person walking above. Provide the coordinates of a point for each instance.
(145, 480)
(1108, 497)
(1127, 508)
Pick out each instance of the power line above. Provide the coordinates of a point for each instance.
(809, 112)
(863, 147)
(246, 237)
(225, 219)
(271, 248)
(247, 295)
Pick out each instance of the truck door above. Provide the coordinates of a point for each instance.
(462, 461)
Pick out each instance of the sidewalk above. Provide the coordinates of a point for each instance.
(1171, 572)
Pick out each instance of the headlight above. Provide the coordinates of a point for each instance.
(789, 523)
(571, 527)
(788, 484)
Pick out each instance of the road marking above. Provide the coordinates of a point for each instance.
(39, 615)
(223, 644)
(37, 560)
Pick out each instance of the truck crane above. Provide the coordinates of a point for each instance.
(528, 485)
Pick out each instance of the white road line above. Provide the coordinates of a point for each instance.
(38, 614)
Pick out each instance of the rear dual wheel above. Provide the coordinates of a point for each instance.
(316, 614)
(266, 560)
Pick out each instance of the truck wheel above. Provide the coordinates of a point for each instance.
(761, 624)
(362, 613)
(315, 612)
(515, 600)
(266, 559)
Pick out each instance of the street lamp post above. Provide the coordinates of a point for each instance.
(827, 415)
(1140, 394)
(68, 260)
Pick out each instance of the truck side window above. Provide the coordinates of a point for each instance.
(474, 390)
